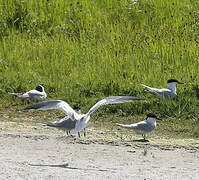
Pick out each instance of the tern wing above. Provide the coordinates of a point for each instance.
(156, 90)
(142, 126)
(65, 123)
(57, 104)
(34, 93)
(80, 125)
(112, 100)
(17, 94)
(133, 126)
(150, 89)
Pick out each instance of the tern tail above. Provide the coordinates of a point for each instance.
(17, 94)
(124, 125)
(47, 124)
(145, 86)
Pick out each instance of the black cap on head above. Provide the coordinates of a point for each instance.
(172, 80)
(76, 107)
(39, 88)
(150, 115)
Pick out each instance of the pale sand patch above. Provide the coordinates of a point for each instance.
(32, 152)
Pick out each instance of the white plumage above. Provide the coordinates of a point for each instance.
(169, 92)
(143, 127)
(74, 121)
(36, 94)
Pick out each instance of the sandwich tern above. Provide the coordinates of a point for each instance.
(74, 121)
(143, 127)
(65, 123)
(169, 92)
(36, 94)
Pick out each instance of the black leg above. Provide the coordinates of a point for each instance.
(144, 136)
(79, 134)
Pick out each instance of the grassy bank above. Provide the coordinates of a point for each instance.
(82, 51)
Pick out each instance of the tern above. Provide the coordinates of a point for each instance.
(74, 121)
(36, 94)
(143, 127)
(169, 92)
(65, 123)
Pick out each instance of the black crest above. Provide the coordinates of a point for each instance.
(150, 115)
(172, 80)
(39, 88)
(76, 107)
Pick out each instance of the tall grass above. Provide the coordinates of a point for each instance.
(82, 51)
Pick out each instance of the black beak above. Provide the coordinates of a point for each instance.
(158, 118)
(180, 82)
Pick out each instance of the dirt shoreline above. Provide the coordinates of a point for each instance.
(36, 154)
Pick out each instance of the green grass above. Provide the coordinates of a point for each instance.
(82, 51)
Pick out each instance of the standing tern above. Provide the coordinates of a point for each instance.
(143, 127)
(169, 92)
(65, 123)
(74, 121)
(36, 94)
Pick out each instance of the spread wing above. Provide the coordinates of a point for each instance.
(57, 104)
(112, 100)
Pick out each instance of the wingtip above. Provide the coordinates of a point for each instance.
(26, 109)
(41, 124)
(143, 85)
(118, 124)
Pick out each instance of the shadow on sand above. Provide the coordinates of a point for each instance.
(66, 165)
(139, 140)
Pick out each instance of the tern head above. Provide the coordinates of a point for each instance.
(174, 81)
(77, 108)
(40, 88)
(152, 116)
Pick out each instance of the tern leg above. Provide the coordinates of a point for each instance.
(144, 136)
(84, 132)
(79, 134)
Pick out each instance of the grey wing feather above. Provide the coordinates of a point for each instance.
(57, 104)
(112, 100)
(65, 123)
(150, 89)
(142, 126)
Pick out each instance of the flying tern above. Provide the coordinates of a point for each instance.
(36, 94)
(143, 127)
(169, 92)
(74, 121)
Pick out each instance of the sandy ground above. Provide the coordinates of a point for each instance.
(37, 153)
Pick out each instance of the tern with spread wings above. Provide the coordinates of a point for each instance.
(74, 121)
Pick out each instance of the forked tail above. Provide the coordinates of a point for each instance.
(147, 87)
(17, 94)
(47, 124)
(124, 125)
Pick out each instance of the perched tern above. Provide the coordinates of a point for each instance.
(169, 92)
(36, 94)
(74, 121)
(143, 127)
